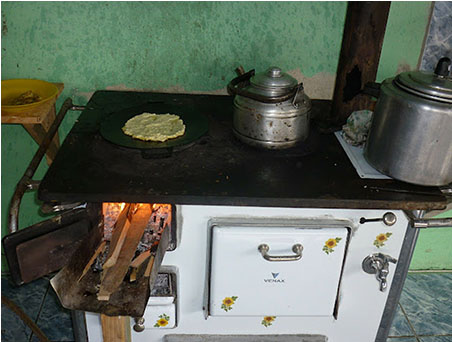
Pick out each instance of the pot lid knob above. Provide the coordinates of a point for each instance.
(274, 72)
(434, 86)
(442, 68)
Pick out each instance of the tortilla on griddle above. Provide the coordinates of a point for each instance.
(154, 127)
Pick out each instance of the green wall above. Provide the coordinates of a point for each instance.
(180, 47)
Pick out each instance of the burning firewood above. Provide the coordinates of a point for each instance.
(148, 271)
(136, 263)
(119, 234)
(124, 251)
(140, 259)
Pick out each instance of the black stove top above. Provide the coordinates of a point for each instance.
(215, 168)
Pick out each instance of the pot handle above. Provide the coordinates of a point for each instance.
(372, 89)
(233, 86)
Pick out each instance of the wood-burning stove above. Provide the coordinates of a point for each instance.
(250, 225)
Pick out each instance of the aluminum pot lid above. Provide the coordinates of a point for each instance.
(427, 84)
(272, 82)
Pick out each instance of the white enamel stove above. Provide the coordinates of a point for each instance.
(251, 273)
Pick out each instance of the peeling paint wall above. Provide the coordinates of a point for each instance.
(175, 47)
(194, 46)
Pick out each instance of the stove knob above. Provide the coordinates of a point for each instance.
(389, 219)
(139, 324)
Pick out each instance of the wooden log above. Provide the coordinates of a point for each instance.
(136, 263)
(133, 275)
(118, 236)
(98, 250)
(114, 276)
(364, 30)
(115, 329)
(148, 271)
(140, 259)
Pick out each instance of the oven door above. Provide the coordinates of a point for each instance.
(275, 271)
(47, 246)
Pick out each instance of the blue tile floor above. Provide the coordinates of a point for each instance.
(424, 313)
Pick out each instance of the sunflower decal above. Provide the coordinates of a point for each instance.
(381, 239)
(162, 321)
(228, 302)
(268, 320)
(330, 244)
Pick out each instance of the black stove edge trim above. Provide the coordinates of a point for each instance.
(398, 280)
(439, 203)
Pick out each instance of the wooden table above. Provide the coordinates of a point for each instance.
(37, 122)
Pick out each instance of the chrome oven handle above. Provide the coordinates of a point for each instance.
(297, 249)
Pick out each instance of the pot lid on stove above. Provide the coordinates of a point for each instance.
(272, 82)
(435, 86)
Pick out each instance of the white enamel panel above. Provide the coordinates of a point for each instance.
(361, 303)
(160, 316)
(243, 283)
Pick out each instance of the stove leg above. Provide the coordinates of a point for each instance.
(398, 280)
(79, 326)
(115, 329)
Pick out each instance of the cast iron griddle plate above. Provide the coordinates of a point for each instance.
(216, 169)
(196, 125)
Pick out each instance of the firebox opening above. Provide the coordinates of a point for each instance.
(119, 262)
(161, 218)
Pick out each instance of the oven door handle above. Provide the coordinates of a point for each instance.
(297, 249)
(26, 182)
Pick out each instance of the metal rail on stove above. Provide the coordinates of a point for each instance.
(26, 182)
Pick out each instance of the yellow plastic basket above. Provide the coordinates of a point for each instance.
(12, 89)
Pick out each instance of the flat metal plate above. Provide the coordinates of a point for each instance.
(245, 338)
(216, 169)
(196, 125)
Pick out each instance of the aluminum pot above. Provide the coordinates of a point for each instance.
(410, 138)
(271, 109)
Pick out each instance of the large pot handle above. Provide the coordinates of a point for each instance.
(238, 84)
(371, 89)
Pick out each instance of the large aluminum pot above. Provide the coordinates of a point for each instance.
(410, 138)
(271, 109)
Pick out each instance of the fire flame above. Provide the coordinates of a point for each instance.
(111, 211)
